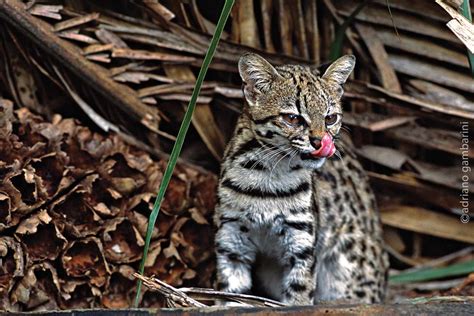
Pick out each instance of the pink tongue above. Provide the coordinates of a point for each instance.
(327, 148)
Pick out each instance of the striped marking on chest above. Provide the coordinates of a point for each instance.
(259, 192)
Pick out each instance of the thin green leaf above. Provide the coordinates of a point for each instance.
(433, 273)
(181, 136)
(466, 12)
(336, 45)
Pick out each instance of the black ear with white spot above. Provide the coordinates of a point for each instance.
(257, 75)
(339, 71)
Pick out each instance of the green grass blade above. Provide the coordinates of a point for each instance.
(466, 12)
(433, 273)
(181, 135)
(336, 45)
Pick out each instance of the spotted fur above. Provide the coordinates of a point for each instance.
(293, 227)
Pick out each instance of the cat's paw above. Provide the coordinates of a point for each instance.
(232, 304)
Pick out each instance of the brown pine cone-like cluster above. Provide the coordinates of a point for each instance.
(74, 206)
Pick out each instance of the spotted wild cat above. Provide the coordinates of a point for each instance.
(292, 223)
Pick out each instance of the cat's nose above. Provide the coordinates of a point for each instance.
(316, 142)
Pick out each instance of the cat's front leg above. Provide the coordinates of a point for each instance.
(235, 256)
(299, 281)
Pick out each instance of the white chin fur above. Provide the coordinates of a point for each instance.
(313, 163)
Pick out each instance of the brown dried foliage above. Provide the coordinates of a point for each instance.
(74, 217)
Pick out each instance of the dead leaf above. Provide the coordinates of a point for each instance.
(41, 238)
(12, 268)
(424, 221)
(122, 241)
(38, 289)
(85, 258)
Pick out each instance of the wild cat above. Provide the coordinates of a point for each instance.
(292, 223)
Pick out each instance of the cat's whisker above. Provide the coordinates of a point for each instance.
(263, 148)
(262, 159)
(276, 164)
(268, 156)
(276, 156)
(265, 151)
(294, 154)
(271, 153)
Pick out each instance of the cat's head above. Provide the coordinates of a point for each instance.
(295, 108)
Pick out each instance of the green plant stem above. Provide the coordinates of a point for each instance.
(336, 45)
(433, 273)
(181, 136)
(466, 12)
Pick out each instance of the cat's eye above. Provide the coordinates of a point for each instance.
(331, 119)
(293, 119)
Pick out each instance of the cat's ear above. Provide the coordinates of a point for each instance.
(339, 71)
(257, 75)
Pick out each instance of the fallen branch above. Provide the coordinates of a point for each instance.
(186, 297)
